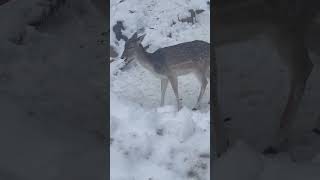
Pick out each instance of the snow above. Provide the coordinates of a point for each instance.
(148, 141)
(166, 142)
(156, 18)
(152, 142)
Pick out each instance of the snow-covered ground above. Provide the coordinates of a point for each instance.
(149, 142)
(158, 143)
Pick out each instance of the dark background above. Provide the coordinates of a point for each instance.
(53, 90)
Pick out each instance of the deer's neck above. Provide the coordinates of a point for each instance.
(143, 57)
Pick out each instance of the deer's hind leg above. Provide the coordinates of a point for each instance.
(291, 48)
(300, 72)
(201, 76)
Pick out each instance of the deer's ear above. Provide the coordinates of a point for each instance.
(134, 36)
(140, 39)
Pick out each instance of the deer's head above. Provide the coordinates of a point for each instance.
(131, 47)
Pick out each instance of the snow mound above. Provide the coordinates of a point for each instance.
(158, 143)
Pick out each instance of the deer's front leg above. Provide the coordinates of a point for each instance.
(297, 88)
(174, 84)
(164, 84)
(291, 49)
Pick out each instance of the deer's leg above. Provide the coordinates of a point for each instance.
(164, 84)
(296, 56)
(297, 88)
(300, 72)
(203, 80)
(174, 84)
(299, 77)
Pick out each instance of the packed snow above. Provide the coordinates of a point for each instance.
(151, 142)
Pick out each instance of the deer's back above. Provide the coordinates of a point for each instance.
(193, 52)
(181, 58)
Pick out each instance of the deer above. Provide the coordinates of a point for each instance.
(170, 62)
(287, 23)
